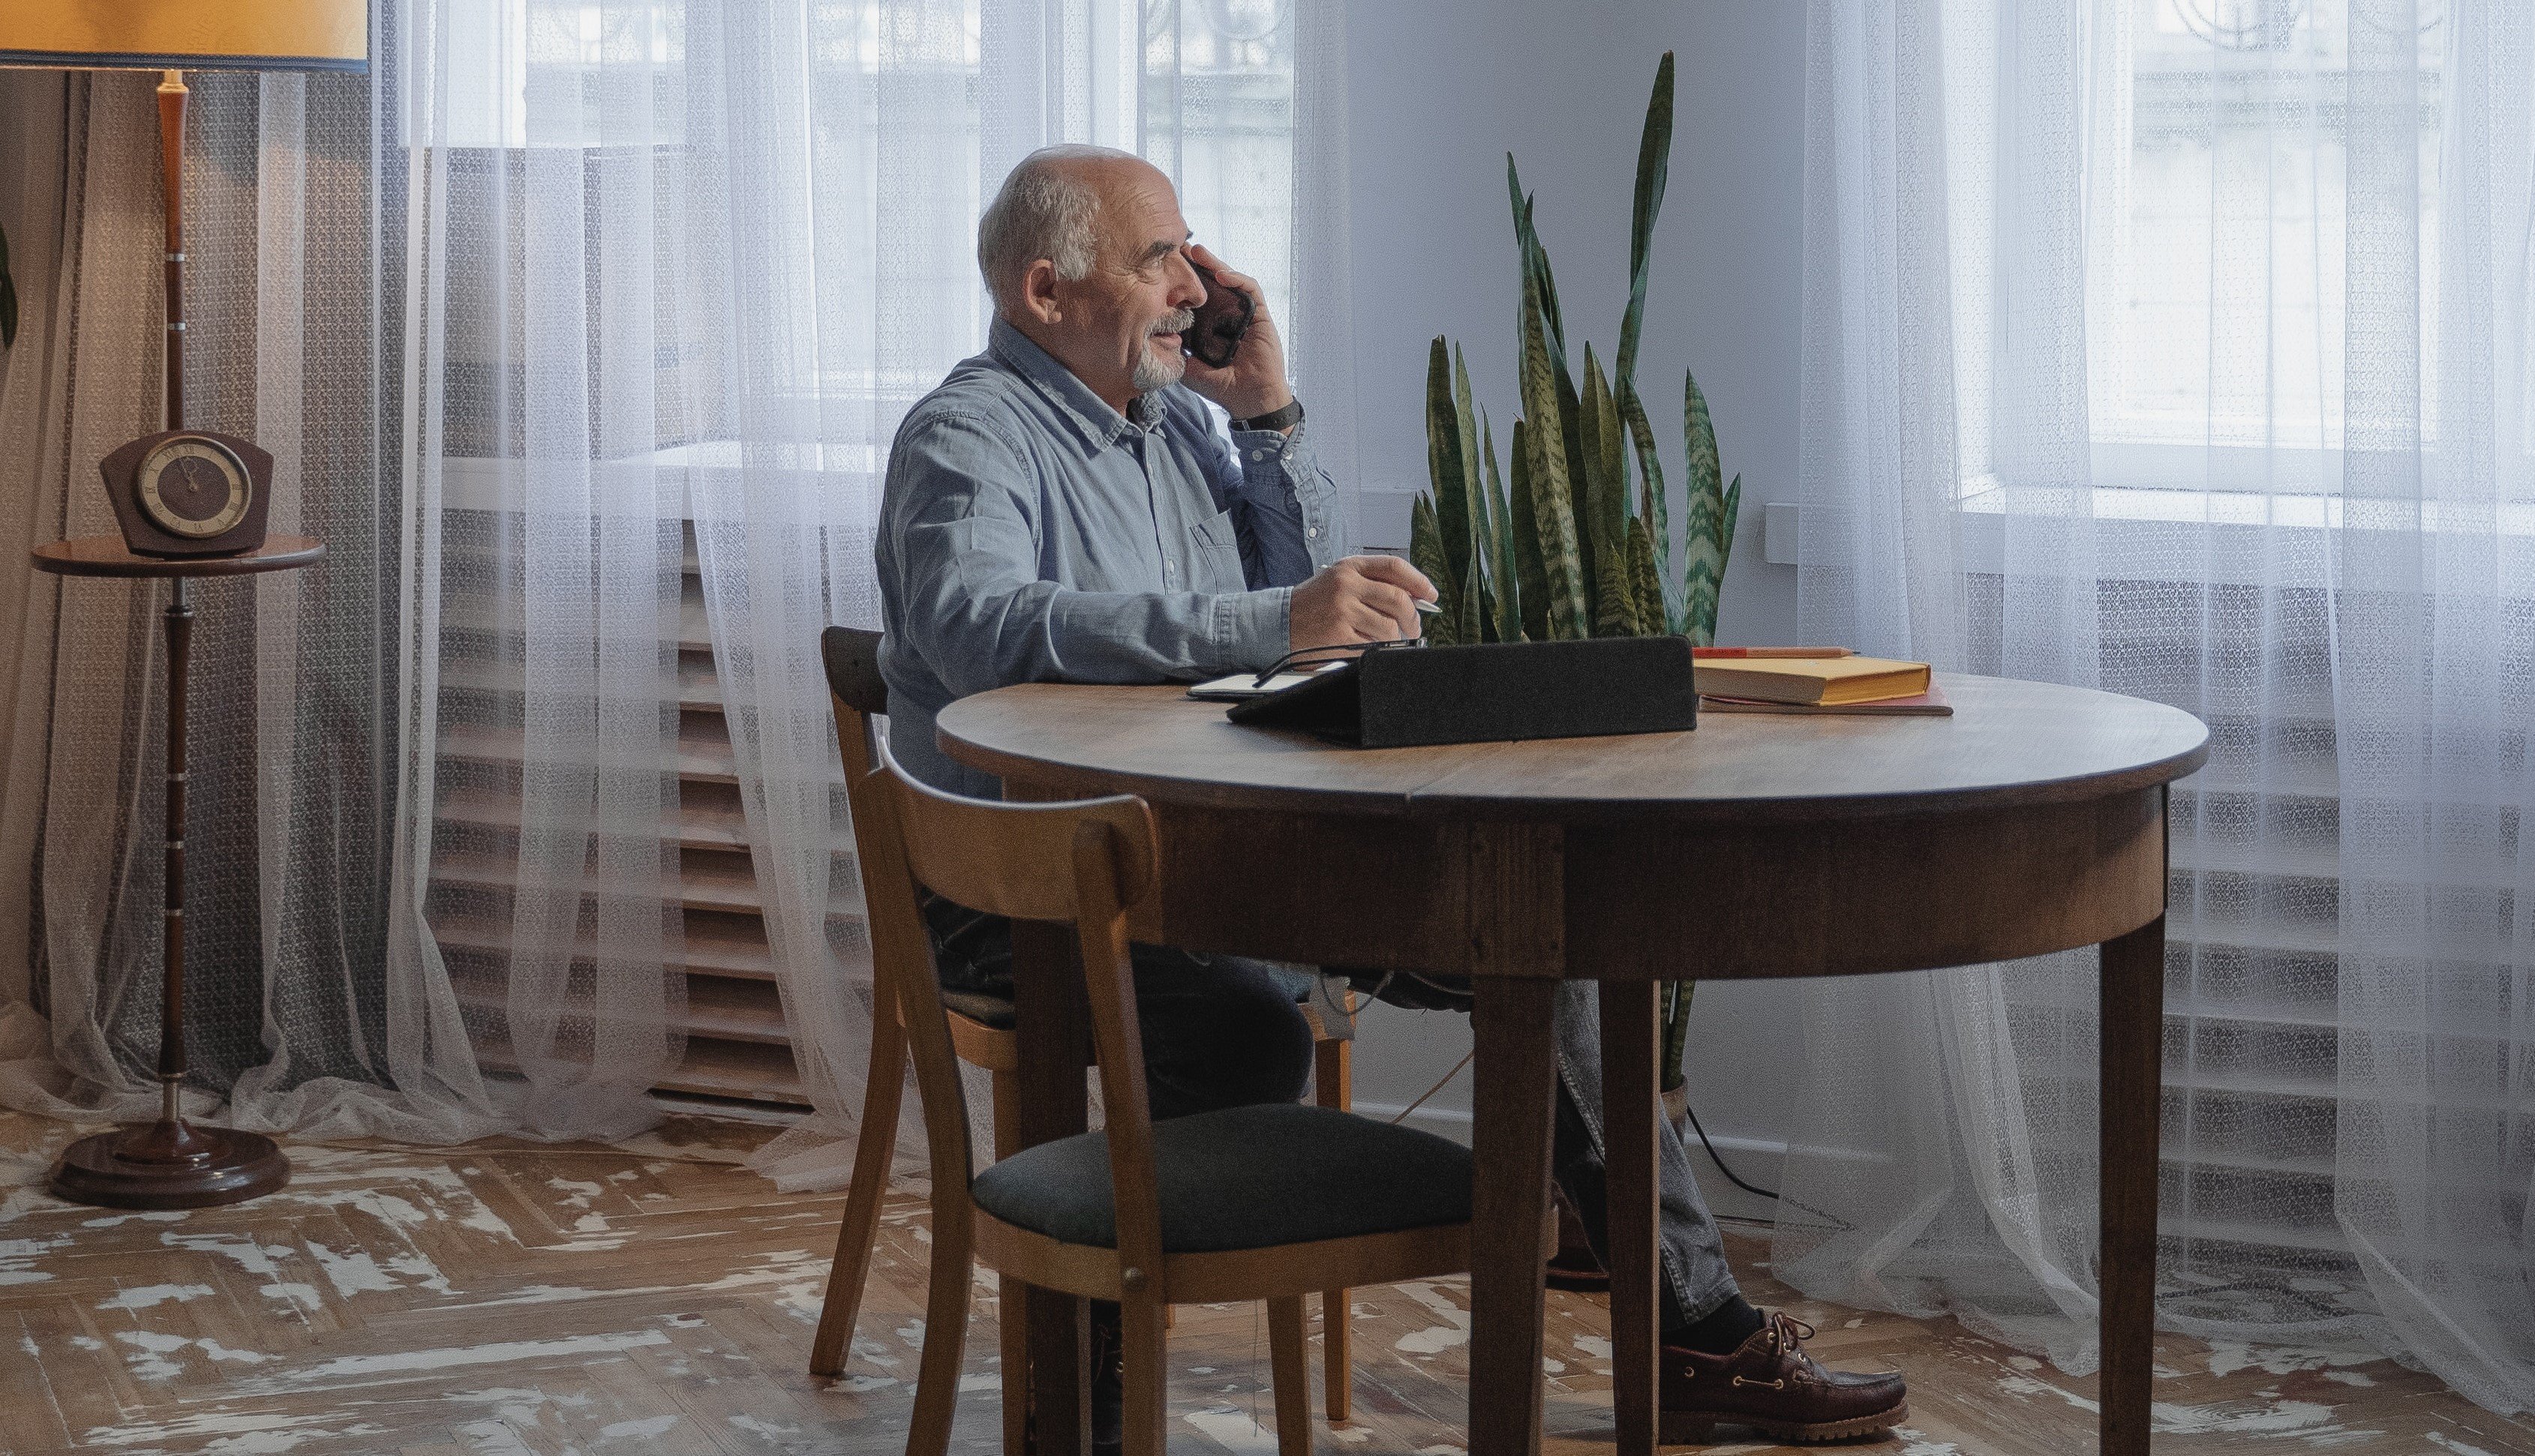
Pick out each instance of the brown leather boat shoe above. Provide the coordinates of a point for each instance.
(1769, 1384)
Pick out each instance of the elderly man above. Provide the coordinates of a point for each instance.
(1085, 501)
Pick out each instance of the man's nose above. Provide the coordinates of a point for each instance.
(1188, 290)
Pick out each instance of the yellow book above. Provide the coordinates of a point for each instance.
(1813, 681)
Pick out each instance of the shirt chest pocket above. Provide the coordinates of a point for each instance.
(1214, 555)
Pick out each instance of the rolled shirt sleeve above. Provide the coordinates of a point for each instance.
(1287, 508)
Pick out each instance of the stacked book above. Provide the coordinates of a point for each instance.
(1814, 679)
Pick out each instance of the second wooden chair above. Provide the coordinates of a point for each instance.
(1262, 1202)
(981, 1035)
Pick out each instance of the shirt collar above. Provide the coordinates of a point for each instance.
(1101, 426)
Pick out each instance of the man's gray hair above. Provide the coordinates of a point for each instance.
(1044, 210)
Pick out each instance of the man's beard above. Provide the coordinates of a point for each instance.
(1156, 372)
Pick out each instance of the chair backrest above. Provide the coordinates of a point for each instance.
(1086, 863)
(852, 658)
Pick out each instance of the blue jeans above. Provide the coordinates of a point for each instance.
(1688, 1250)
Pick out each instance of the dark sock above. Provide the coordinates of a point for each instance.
(1731, 1323)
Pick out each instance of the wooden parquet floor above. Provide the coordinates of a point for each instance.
(507, 1299)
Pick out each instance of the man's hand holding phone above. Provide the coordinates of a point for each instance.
(1254, 381)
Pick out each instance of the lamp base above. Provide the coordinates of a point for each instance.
(168, 1164)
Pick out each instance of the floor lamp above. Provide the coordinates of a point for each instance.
(170, 1163)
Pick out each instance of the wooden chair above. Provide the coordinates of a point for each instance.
(980, 1034)
(1265, 1202)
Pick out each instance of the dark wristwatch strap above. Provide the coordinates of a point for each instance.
(1274, 419)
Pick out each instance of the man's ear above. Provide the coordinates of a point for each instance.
(1038, 294)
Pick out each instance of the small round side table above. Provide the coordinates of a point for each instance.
(171, 1163)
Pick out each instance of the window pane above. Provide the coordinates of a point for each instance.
(2218, 230)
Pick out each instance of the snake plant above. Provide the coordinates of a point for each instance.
(1571, 550)
(1560, 546)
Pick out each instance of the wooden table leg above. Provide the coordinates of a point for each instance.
(1629, 1105)
(1517, 897)
(1051, 1026)
(1516, 1079)
(2132, 1000)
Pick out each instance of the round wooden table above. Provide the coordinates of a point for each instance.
(1760, 845)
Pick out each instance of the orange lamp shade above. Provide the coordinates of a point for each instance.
(187, 34)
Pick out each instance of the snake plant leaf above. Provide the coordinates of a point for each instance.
(1553, 495)
(1614, 450)
(1676, 1032)
(1505, 583)
(1654, 501)
(1536, 264)
(1471, 556)
(1426, 554)
(1725, 535)
(1646, 593)
(1603, 515)
(1703, 526)
(1542, 297)
(1486, 510)
(1654, 155)
(1466, 417)
(1725, 531)
(1699, 436)
(1444, 469)
(1531, 569)
(1561, 555)
(1542, 305)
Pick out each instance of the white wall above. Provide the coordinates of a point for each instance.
(1439, 92)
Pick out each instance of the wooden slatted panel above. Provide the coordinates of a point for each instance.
(737, 1043)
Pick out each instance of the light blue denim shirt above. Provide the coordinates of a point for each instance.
(1030, 533)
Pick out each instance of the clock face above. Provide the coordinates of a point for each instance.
(193, 487)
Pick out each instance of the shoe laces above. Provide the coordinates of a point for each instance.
(1786, 1332)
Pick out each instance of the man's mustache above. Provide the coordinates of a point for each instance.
(1179, 322)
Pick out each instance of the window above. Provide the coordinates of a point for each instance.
(494, 49)
(2216, 242)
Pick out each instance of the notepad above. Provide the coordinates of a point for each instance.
(1813, 681)
(1242, 685)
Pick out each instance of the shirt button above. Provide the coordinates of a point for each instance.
(1312, 531)
(1259, 454)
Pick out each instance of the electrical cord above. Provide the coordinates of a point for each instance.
(1704, 1140)
(1438, 1087)
(1719, 1160)
(1832, 1220)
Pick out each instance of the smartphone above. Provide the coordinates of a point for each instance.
(1222, 320)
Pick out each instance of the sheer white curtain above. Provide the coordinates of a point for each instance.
(560, 287)
(677, 264)
(2174, 348)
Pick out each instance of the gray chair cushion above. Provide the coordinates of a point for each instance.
(1243, 1178)
(980, 1007)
